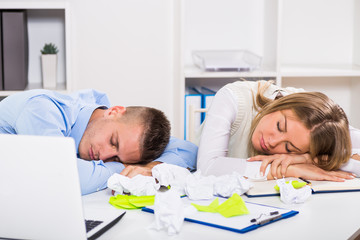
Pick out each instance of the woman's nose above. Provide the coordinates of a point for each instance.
(276, 140)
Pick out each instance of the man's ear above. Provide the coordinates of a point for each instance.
(115, 111)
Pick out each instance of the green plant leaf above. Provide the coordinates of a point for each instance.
(49, 48)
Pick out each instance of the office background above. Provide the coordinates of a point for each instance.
(139, 51)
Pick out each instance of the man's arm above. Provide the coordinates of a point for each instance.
(93, 175)
(181, 153)
(178, 152)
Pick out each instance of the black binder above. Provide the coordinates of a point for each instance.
(1, 57)
(14, 50)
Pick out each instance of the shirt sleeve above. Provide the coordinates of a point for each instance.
(353, 165)
(355, 140)
(93, 175)
(214, 140)
(226, 165)
(41, 116)
(181, 153)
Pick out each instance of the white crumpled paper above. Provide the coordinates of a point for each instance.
(205, 187)
(227, 185)
(199, 187)
(290, 195)
(168, 208)
(169, 212)
(195, 186)
(139, 185)
(171, 175)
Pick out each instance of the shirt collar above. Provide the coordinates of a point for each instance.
(78, 129)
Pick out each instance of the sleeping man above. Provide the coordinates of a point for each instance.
(125, 140)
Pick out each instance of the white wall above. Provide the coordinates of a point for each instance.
(43, 29)
(133, 49)
(124, 48)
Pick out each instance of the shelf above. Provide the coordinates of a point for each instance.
(195, 72)
(55, 18)
(296, 51)
(59, 88)
(320, 71)
(32, 5)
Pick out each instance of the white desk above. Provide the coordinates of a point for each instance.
(322, 216)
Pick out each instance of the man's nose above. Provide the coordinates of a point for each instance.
(108, 153)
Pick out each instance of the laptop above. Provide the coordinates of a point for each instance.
(40, 196)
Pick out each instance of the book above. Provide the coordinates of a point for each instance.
(14, 50)
(266, 188)
(238, 224)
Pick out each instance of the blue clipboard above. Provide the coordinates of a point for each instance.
(238, 224)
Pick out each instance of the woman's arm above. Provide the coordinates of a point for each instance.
(312, 172)
(179, 152)
(215, 135)
(281, 162)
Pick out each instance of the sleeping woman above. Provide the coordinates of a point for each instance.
(266, 132)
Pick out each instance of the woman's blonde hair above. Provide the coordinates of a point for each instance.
(330, 139)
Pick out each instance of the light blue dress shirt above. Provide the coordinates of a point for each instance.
(49, 113)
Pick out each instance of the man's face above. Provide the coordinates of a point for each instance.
(109, 139)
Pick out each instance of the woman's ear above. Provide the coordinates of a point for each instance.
(115, 111)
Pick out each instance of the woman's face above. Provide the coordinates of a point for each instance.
(281, 132)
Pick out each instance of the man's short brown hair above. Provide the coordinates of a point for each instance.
(156, 133)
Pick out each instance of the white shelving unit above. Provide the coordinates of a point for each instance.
(310, 44)
(47, 22)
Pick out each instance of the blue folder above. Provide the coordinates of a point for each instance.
(238, 224)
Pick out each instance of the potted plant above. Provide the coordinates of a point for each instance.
(49, 65)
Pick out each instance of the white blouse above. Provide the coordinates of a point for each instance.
(215, 141)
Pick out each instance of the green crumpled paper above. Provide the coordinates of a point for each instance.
(131, 201)
(296, 184)
(234, 206)
(211, 208)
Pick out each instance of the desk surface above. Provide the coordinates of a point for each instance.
(322, 216)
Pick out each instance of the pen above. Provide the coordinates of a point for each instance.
(308, 182)
(270, 214)
(262, 222)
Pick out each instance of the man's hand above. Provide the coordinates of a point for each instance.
(312, 172)
(135, 169)
(285, 160)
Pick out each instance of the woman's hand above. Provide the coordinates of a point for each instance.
(285, 160)
(312, 172)
(355, 157)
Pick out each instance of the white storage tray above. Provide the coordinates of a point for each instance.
(226, 60)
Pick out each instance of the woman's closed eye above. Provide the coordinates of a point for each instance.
(287, 147)
(287, 143)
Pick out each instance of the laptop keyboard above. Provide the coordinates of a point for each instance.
(90, 224)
